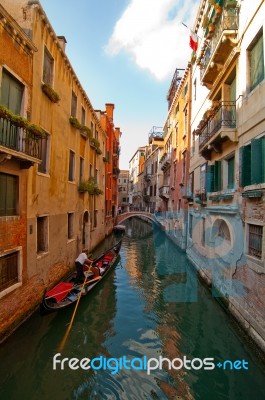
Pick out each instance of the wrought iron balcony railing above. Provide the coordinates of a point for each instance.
(223, 117)
(20, 139)
(164, 191)
(228, 26)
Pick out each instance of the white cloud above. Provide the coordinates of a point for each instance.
(157, 41)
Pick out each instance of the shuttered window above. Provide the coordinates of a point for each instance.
(8, 194)
(256, 63)
(231, 173)
(11, 92)
(252, 162)
(73, 105)
(48, 63)
(214, 177)
(210, 178)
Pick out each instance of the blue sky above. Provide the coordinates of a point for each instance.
(125, 52)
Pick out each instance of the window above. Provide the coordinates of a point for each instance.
(70, 225)
(251, 162)
(203, 179)
(83, 116)
(255, 236)
(184, 165)
(48, 64)
(8, 194)
(203, 232)
(231, 173)
(92, 129)
(71, 173)
(95, 218)
(43, 143)
(256, 63)
(73, 105)
(11, 92)
(213, 177)
(124, 199)
(124, 180)
(154, 190)
(194, 89)
(81, 169)
(9, 270)
(190, 226)
(42, 234)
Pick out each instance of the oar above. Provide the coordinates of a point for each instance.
(62, 344)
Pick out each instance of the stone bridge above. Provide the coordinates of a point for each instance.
(122, 217)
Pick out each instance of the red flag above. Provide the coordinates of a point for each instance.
(193, 41)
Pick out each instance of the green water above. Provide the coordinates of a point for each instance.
(151, 305)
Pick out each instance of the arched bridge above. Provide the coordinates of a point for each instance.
(122, 217)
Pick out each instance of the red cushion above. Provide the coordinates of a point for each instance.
(56, 292)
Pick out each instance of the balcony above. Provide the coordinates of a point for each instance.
(20, 142)
(221, 44)
(147, 177)
(164, 192)
(166, 161)
(219, 127)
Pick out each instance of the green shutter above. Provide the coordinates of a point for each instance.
(256, 63)
(217, 176)
(245, 165)
(210, 178)
(263, 160)
(256, 161)
(231, 173)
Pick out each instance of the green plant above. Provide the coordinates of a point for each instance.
(83, 128)
(94, 142)
(105, 159)
(21, 122)
(50, 93)
(98, 151)
(89, 186)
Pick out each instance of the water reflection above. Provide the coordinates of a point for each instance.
(137, 311)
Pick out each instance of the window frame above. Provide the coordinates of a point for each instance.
(48, 56)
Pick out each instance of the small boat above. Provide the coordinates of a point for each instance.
(67, 292)
(119, 228)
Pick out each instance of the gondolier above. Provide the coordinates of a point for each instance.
(67, 292)
(81, 260)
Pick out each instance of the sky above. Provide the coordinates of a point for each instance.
(125, 52)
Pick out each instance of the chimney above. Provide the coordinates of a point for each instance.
(109, 110)
(62, 41)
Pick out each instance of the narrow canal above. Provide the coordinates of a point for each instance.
(151, 306)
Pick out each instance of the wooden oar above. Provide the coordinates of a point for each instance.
(62, 344)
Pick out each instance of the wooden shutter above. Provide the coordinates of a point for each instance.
(11, 93)
(217, 176)
(210, 178)
(257, 63)
(256, 161)
(245, 165)
(263, 160)
(231, 173)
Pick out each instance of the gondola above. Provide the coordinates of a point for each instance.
(67, 292)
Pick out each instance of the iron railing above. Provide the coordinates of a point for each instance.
(228, 22)
(19, 138)
(224, 116)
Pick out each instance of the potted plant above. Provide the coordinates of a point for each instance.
(50, 93)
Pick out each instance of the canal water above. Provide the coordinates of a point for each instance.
(151, 306)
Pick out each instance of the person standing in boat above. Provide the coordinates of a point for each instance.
(81, 260)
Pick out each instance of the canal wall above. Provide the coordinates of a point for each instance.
(222, 264)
